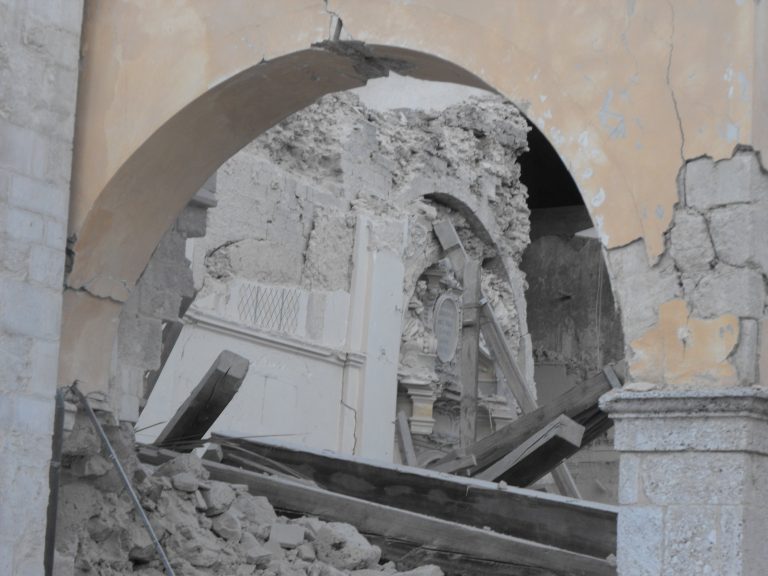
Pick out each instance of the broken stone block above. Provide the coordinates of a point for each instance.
(287, 535)
(311, 526)
(200, 504)
(95, 465)
(141, 549)
(183, 463)
(185, 482)
(253, 552)
(218, 498)
(254, 509)
(306, 552)
(227, 526)
(342, 546)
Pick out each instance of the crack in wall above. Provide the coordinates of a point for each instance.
(669, 83)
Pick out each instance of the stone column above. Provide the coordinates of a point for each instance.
(38, 90)
(693, 481)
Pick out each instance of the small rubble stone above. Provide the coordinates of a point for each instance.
(227, 526)
(306, 552)
(183, 463)
(253, 551)
(254, 509)
(428, 570)
(218, 498)
(311, 526)
(343, 547)
(185, 482)
(287, 535)
(95, 465)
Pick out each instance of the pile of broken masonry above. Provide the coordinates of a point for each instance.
(206, 527)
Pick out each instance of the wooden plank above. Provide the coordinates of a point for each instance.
(406, 442)
(205, 403)
(451, 243)
(470, 349)
(494, 337)
(578, 403)
(410, 529)
(583, 527)
(536, 456)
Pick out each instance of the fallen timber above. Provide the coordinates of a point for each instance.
(563, 522)
(404, 535)
(579, 403)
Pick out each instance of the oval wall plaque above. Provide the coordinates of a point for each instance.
(446, 327)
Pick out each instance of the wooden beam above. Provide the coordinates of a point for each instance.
(451, 244)
(406, 441)
(408, 529)
(538, 455)
(494, 337)
(578, 403)
(470, 348)
(584, 527)
(205, 403)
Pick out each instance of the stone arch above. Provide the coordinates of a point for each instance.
(118, 218)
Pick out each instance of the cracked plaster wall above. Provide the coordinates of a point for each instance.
(626, 94)
(696, 317)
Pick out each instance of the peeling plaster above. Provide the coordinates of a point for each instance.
(684, 351)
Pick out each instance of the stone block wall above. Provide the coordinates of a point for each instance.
(694, 317)
(692, 485)
(39, 50)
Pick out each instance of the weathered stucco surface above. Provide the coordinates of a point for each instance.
(626, 92)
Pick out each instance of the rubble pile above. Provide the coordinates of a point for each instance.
(206, 528)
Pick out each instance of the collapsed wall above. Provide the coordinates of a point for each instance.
(305, 213)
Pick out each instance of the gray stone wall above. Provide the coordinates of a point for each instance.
(39, 47)
(716, 261)
(692, 488)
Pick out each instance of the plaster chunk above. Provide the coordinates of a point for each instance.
(681, 350)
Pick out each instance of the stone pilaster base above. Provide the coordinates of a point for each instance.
(693, 484)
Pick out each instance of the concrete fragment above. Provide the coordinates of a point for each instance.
(286, 535)
(343, 547)
(227, 526)
(218, 498)
(185, 482)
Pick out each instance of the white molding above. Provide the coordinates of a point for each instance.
(314, 351)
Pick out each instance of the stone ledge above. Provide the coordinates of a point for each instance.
(742, 401)
(726, 420)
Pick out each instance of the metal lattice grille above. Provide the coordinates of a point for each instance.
(271, 308)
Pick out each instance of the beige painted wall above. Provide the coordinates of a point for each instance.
(625, 91)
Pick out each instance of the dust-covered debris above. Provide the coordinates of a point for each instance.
(206, 527)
